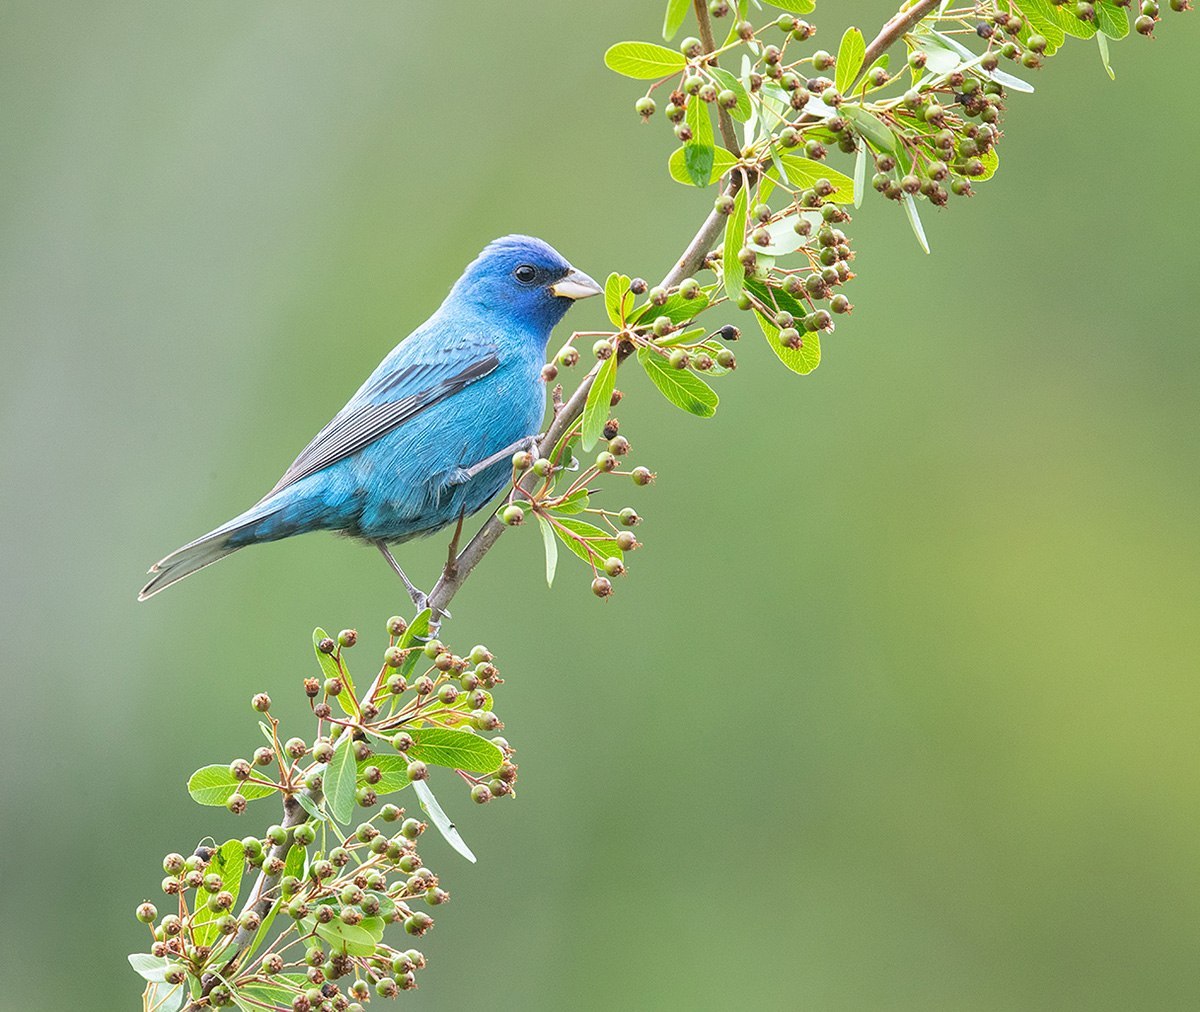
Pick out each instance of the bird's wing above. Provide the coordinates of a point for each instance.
(384, 403)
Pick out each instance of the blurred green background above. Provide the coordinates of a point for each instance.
(898, 706)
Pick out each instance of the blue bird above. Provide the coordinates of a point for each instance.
(428, 437)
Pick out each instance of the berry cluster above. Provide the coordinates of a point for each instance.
(309, 935)
(930, 131)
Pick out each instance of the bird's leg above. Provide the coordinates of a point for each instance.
(465, 474)
(451, 568)
(419, 598)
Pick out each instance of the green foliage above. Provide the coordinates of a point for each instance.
(366, 745)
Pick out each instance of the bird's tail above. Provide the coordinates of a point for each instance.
(186, 560)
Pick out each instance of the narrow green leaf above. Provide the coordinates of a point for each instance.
(850, 55)
(726, 80)
(441, 820)
(698, 153)
(872, 128)
(335, 668)
(310, 806)
(805, 172)
(551, 547)
(598, 404)
(339, 781)
(802, 360)
(681, 387)
(1102, 41)
(456, 750)
(723, 161)
(598, 545)
(643, 60)
(676, 12)
(679, 337)
(213, 785)
(914, 219)
(860, 172)
(732, 271)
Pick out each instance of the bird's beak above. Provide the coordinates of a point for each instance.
(576, 285)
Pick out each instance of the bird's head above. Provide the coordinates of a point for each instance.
(526, 280)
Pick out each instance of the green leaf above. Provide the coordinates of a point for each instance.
(339, 781)
(441, 820)
(456, 750)
(677, 309)
(732, 271)
(272, 995)
(794, 6)
(805, 172)
(698, 154)
(576, 502)
(551, 547)
(860, 172)
(354, 939)
(874, 130)
(679, 337)
(213, 785)
(726, 80)
(676, 12)
(618, 299)
(229, 862)
(723, 161)
(1111, 20)
(643, 60)
(802, 360)
(164, 997)
(599, 401)
(991, 162)
(784, 237)
(1102, 41)
(394, 769)
(681, 387)
(152, 968)
(600, 545)
(335, 667)
(850, 55)
(1041, 18)
(914, 219)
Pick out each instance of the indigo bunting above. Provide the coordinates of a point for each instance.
(428, 437)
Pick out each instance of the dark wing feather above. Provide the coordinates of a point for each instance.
(358, 425)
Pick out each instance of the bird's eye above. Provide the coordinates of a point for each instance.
(525, 274)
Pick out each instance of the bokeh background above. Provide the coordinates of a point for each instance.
(898, 705)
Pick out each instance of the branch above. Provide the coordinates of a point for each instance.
(728, 134)
(692, 259)
(896, 28)
(260, 901)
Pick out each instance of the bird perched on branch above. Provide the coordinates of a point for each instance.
(429, 436)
